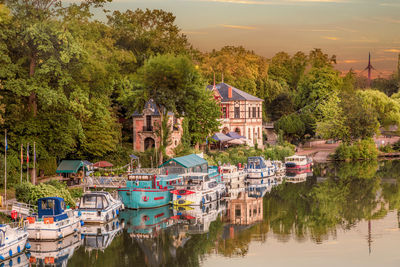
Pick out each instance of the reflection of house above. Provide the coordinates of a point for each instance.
(245, 210)
(241, 112)
(146, 125)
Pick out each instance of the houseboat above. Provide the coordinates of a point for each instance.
(54, 253)
(53, 220)
(280, 167)
(298, 162)
(231, 176)
(198, 189)
(145, 190)
(13, 241)
(293, 177)
(99, 207)
(259, 168)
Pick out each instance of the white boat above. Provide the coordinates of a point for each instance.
(99, 237)
(53, 220)
(54, 253)
(13, 241)
(259, 168)
(296, 177)
(198, 190)
(298, 162)
(99, 207)
(231, 176)
(280, 167)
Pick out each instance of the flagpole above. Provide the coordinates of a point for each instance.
(27, 164)
(5, 167)
(22, 161)
(34, 162)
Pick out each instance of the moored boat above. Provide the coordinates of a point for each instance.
(232, 176)
(99, 237)
(198, 190)
(298, 162)
(53, 220)
(13, 241)
(99, 207)
(148, 190)
(259, 168)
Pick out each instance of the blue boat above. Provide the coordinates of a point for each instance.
(144, 191)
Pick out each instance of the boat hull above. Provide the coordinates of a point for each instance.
(16, 247)
(101, 216)
(198, 198)
(54, 231)
(141, 198)
(293, 166)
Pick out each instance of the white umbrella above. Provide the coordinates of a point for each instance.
(236, 142)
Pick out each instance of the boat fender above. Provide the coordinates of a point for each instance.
(117, 211)
(145, 198)
(117, 224)
(79, 213)
(28, 246)
(10, 263)
(75, 230)
(113, 214)
(82, 223)
(19, 249)
(203, 200)
(107, 217)
(10, 253)
(1, 258)
(60, 236)
(19, 260)
(82, 236)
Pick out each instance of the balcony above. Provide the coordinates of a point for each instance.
(147, 128)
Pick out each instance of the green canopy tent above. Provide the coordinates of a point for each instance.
(70, 169)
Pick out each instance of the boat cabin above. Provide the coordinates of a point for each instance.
(296, 159)
(256, 163)
(95, 200)
(52, 207)
(186, 164)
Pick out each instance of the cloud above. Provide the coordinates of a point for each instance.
(240, 27)
(388, 20)
(392, 50)
(194, 32)
(332, 38)
(390, 4)
(350, 61)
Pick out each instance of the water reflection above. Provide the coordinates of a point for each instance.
(338, 200)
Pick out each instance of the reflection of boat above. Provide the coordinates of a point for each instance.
(20, 260)
(53, 221)
(99, 207)
(12, 241)
(148, 190)
(280, 167)
(296, 177)
(258, 191)
(56, 253)
(259, 168)
(198, 219)
(298, 162)
(100, 236)
(147, 222)
(199, 190)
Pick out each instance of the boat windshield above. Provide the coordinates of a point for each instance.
(93, 202)
(212, 184)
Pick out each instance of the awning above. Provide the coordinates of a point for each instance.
(188, 161)
(221, 137)
(69, 166)
(235, 135)
(87, 163)
(102, 164)
(236, 142)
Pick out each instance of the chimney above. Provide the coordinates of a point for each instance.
(230, 92)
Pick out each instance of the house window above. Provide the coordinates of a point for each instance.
(237, 112)
(254, 112)
(249, 112)
(224, 112)
(258, 112)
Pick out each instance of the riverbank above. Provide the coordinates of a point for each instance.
(319, 150)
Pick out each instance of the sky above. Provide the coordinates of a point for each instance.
(349, 29)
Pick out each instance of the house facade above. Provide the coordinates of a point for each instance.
(146, 127)
(241, 112)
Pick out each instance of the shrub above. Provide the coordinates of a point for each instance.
(49, 166)
(364, 149)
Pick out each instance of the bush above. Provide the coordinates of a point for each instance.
(28, 193)
(364, 150)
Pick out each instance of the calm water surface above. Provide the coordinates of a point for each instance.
(343, 215)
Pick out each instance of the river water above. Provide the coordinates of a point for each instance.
(343, 215)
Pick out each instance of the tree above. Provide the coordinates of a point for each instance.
(147, 33)
(173, 82)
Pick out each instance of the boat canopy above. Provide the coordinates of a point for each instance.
(190, 163)
(70, 166)
(50, 206)
(96, 200)
(256, 163)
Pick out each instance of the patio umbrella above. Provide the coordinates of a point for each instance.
(235, 135)
(102, 164)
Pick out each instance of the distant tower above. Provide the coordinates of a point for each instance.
(369, 68)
